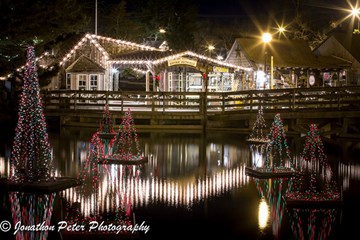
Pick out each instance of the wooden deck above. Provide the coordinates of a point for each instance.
(197, 110)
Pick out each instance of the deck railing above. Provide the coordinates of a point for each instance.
(335, 98)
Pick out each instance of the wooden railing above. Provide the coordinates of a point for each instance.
(335, 98)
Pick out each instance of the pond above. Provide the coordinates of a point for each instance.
(193, 186)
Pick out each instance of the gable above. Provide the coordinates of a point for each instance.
(85, 64)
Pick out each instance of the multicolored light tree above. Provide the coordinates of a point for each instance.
(126, 145)
(31, 155)
(258, 133)
(315, 181)
(106, 131)
(106, 124)
(277, 150)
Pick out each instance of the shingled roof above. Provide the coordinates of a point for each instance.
(142, 55)
(286, 53)
(350, 41)
(85, 64)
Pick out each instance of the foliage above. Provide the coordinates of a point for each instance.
(120, 25)
(38, 23)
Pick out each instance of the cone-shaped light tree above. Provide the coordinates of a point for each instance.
(315, 182)
(106, 124)
(31, 154)
(277, 150)
(258, 132)
(126, 145)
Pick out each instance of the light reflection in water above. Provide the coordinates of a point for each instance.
(263, 213)
(133, 191)
(4, 167)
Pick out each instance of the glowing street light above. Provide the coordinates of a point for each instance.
(355, 12)
(281, 29)
(266, 37)
(211, 48)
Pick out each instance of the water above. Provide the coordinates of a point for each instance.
(192, 186)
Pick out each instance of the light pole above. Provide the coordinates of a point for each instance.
(210, 48)
(266, 38)
(355, 13)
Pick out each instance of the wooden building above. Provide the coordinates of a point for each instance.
(341, 46)
(101, 63)
(284, 63)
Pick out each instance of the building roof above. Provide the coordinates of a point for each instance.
(350, 41)
(286, 53)
(142, 55)
(85, 64)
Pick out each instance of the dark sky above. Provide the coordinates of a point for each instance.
(316, 12)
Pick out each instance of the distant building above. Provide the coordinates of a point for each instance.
(291, 61)
(343, 47)
(93, 62)
(101, 63)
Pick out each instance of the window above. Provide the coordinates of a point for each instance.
(82, 82)
(93, 82)
(68, 81)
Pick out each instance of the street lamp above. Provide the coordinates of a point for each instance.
(210, 48)
(266, 38)
(355, 13)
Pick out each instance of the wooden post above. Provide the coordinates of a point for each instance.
(293, 99)
(223, 102)
(147, 79)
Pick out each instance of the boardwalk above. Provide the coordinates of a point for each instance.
(212, 110)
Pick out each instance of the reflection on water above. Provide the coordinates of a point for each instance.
(31, 210)
(263, 213)
(183, 172)
(271, 192)
(312, 223)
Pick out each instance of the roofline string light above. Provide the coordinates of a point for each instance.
(162, 60)
(94, 39)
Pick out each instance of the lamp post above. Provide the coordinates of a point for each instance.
(266, 38)
(355, 13)
(210, 48)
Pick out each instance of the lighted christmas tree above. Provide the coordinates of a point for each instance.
(90, 173)
(258, 133)
(31, 155)
(106, 124)
(278, 162)
(126, 145)
(315, 182)
(277, 150)
(106, 131)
